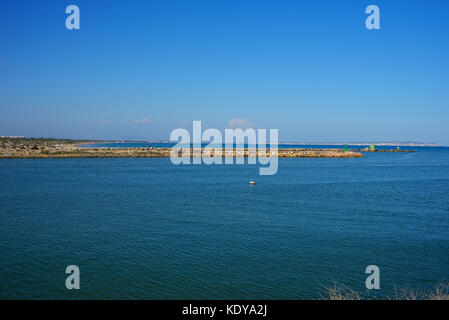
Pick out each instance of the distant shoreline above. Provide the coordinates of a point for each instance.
(380, 144)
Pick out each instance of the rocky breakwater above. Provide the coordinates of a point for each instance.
(280, 153)
(69, 150)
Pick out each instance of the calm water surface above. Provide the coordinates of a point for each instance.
(145, 228)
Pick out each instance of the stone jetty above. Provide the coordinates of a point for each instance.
(52, 148)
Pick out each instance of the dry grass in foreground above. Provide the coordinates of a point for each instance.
(342, 292)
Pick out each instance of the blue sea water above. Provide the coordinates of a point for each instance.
(145, 228)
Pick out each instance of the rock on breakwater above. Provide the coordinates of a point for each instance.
(76, 151)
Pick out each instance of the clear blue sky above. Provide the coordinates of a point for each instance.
(138, 69)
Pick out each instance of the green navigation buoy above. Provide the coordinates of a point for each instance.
(346, 147)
